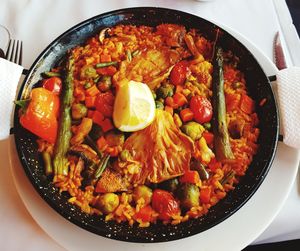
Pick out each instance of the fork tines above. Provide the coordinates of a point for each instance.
(14, 51)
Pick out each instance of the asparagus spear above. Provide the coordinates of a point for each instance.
(221, 136)
(60, 161)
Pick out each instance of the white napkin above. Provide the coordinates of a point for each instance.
(10, 74)
(288, 86)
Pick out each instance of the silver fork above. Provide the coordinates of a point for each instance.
(14, 52)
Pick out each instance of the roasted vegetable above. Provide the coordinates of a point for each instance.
(96, 132)
(60, 162)
(193, 130)
(201, 108)
(47, 162)
(177, 120)
(200, 168)
(221, 135)
(191, 45)
(82, 131)
(144, 192)
(165, 204)
(188, 194)
(165, 91)
(179, 73)
(159, 105)
(88, 71)
(78, 111)
(172, 150)
(102, 34)
(206, 154)
(87, 153)
(115, 138)
(110, 181)
(190, 176)
(90, 142)
(53, 84)
(108, 202)
(169, 185)
(39, 114)
(207, 125)
(105, 83)
(124, 155)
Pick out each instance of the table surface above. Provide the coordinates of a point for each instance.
(39, 22)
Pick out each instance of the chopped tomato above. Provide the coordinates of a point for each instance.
(205, 194)
(247, 104)
(202, 109)
(105, 58)
(179, 89)
(169, 101)
(106, 125)
(92, 91)
(190, 177)
(164, 203)
(97, 117)
(102, 143)
(90, 101)
(179, 99)
(109, 70)
(209, 137)
(104, 103)
(186, 115)
(145, 214)
(178, 73)
(214, 165)
(53, 84)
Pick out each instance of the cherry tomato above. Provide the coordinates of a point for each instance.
(202, 109)
(104, 103)
(53, 84)
(178, 73)
(164, 203)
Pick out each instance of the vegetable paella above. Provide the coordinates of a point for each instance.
(144, 124)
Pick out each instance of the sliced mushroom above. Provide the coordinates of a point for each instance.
(102, 34)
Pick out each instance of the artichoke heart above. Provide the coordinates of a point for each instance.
(162, 149)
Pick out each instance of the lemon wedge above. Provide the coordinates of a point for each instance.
(134, 107)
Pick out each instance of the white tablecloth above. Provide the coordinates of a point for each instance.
(39, 22)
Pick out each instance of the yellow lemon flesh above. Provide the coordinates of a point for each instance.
(134, 107)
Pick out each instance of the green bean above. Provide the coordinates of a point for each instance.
(105, 64)
(129, 55)
(47, 162)
(101, 167)
(135, 53)
(227, 178)
(51, 74)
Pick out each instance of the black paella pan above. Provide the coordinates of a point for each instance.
(258, 86)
